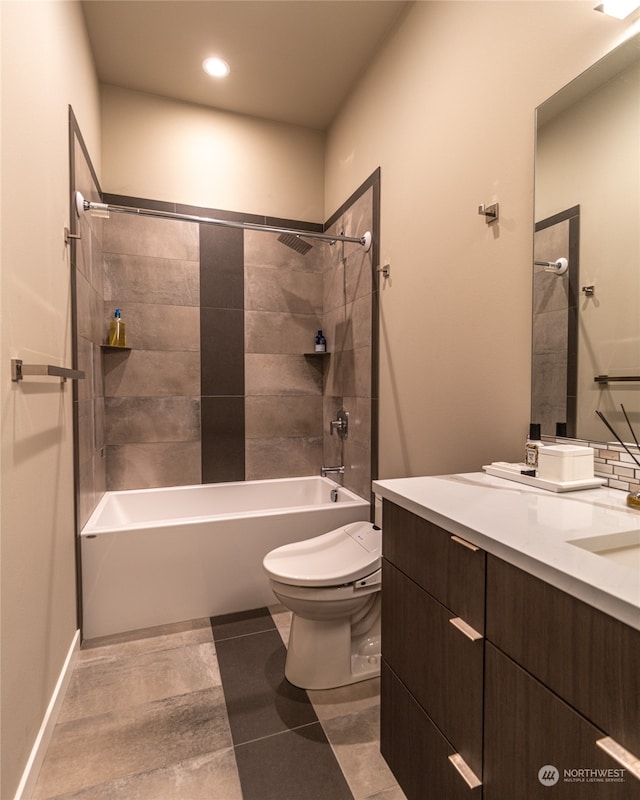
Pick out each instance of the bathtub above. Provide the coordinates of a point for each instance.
(155, 556)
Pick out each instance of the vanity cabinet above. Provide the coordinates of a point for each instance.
(560, 676)
(490, 673)
(432, 623)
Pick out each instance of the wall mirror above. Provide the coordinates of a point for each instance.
(586, 312)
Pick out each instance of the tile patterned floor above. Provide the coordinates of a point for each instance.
(201, 711)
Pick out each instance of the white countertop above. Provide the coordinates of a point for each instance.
(532, 528)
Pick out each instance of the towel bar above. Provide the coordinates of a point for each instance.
(20, 370)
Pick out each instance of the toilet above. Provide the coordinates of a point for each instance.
(332, 585)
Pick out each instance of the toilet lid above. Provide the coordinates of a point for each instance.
(340, 556)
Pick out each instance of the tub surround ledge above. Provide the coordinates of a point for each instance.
(534, 530)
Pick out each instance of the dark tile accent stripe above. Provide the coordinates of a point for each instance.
(221, 267)
(241, 623)
(294, 765)
(281, 750)
(222, 427)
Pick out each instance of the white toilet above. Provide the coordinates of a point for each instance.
(332, 584)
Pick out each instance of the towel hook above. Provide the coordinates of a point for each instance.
(490, 213)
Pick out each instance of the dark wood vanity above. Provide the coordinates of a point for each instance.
(490, 674)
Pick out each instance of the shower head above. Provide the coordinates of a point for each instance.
(295, 243)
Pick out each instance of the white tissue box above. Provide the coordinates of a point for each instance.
(565, 462)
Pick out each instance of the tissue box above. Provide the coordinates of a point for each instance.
(565, 462)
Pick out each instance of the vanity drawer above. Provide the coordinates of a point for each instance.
(585, 656)
(450, 569)
(419, 756)
(528, 728)
(440, 662)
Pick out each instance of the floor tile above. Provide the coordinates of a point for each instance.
(114, 682)
(227, 626)
(355, 742)
(137, 638)
(213, 776)
(282, 620)
(260, 701)
(148, 640)
(329, 703)
(120, 743)
(291, 766)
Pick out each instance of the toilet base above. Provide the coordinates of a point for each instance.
(324, 654)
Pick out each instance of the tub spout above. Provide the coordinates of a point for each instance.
(326, 470)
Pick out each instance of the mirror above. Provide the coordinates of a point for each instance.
(586, 320)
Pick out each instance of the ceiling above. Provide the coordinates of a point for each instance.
(292, 61)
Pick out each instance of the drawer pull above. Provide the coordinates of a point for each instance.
(464, 543)
(464, 627)
(619, 754)
(470, 778)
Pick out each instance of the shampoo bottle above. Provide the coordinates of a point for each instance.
(116, 331)
(321, 343)
(532, 446)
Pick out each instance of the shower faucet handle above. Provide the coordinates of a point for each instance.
(341, 424)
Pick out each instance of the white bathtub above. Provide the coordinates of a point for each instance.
(155, 556)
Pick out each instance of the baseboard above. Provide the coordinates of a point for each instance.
(39, 749)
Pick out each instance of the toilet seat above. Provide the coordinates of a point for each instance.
(331, 559)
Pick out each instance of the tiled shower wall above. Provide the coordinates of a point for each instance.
(220, 382)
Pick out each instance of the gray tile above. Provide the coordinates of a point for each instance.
(213, 776)
(151, 373)
(241, 623)
(152, 419)
(148, 465)
(264, 249)
(223, 456)
(260, 701)
(292, 765)
(147, 236)
(135, 739)
(280, 332)
(282, 374)
(286, 416)
(283, 457)
(144, 279)
(345, 700)
(156, 327)
(355, 742)
(279, 289)
(111, 681)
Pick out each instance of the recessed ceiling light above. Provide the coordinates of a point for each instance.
(217, 67)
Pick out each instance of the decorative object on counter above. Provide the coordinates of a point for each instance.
(565, 462)
(533, 445)
(321, 343)
(633, 498)
(521, 474)
(117, 337)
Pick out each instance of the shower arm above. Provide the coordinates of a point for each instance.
(103, 209)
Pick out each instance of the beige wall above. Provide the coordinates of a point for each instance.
(446, 111)
(45, 67)
(162, 149)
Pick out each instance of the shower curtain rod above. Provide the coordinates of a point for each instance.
(103, 209)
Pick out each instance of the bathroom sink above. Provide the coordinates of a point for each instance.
(622, 548)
